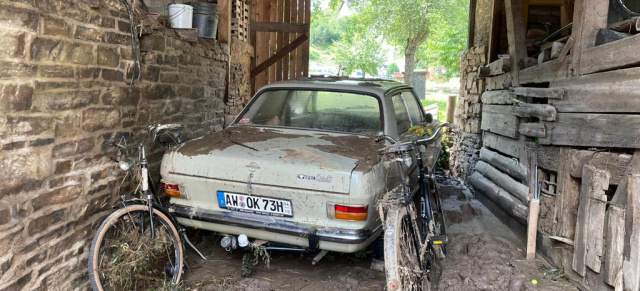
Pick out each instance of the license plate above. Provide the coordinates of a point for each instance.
(255, 204)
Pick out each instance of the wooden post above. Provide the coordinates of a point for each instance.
(589, 16)
(587, 237)
(631, 254)
(451, 108)
(532, 229)
(472, 23)
(516, 38)
(224, 23)
(568, 194)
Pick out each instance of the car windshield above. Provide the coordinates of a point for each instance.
(322, 110)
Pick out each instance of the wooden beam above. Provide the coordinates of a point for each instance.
(500, 66)
(614, 55)
(568, 196)
(594, 183)
(614, 246)
(586, 93)
(499, 119)
(498, 97)
(545, 72)
(497, 8)
(589, 17)
(502, 144)
(516, 37)
(515, 188)
(508, 165)
(280, 54)
(631, 253)
(500, 197)
(541, 111)
(565, 51)
(472, 24)
(538, 92)
(279, 27)
(305, 47)
(532, 129)
(615, 163)
(593, 130)
(224, 22)
(548, 156)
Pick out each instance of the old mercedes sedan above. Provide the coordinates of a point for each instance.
(299, 166)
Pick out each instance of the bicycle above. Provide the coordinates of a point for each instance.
(412, 240)
(139, 245)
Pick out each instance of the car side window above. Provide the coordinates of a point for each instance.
(402, 117)
(413, 107)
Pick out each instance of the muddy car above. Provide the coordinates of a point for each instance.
(299, 166)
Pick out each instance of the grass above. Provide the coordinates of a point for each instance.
(442, 105)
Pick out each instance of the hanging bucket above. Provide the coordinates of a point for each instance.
(180, 15)
(205, 18)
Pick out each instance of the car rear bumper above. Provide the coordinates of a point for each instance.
(274, 225)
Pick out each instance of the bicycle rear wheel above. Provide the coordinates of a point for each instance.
(123, 256)
(402, 245)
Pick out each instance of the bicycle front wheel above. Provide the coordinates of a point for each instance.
(125, 256)
(401, 251)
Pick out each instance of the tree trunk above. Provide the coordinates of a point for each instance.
(409, 61)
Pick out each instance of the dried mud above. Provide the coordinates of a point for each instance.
(363, 149)
(229, 137)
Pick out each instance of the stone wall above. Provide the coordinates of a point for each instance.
(483, 22)
(468, 138)
(65, 68)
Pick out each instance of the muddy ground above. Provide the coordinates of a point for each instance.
(483, 254)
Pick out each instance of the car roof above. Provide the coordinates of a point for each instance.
(376, 86)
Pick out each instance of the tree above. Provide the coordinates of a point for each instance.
(403, 23)
(358, 50)
(392, 68)
(448, 36)
(325, 27)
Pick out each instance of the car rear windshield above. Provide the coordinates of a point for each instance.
(323, 110)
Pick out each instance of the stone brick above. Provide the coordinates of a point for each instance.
(63, 167)
(150, 73)
(172, 107)
(19, 284)
(70, 100)
(56, 27)
(11, 70)
(30, 125)
(13, 44)
(5, 217)
(45, 49)
(44, 222)
(123, 26)
(14, 145)
(78, 53)
(108, 22)
(168, 60)
(112, 75)
(152, 42)
(117, 38)
(91, 3)
(158, 92)
(49, 85)
(41, 142)
(67, 124)
(87, 33)
(88, 73)
(56, 197)
(121, 96)
(168, 78)
(13, 17)
(56, 71)
(15, 98)
(99, 118)
(108, 56)
(23, 171)
(73, 147)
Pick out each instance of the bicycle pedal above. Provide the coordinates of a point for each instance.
(439, 240)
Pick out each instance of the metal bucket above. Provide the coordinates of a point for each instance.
(205, 18)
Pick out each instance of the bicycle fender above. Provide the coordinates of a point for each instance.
(128, 201)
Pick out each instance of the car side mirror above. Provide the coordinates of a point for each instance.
(428, 117)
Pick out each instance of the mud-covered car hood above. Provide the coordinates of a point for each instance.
(289, 158)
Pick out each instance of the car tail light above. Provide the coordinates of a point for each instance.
(348, 212)
(173, 189)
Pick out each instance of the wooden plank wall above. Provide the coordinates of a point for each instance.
(268, 42)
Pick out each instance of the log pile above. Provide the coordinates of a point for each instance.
(465, 151)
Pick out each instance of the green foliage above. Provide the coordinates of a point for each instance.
(392, 68)
(325, 27)
(448, 36)
(442, 107)
(358, 50)
(443, 158)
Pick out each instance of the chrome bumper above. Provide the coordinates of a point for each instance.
(272, 224)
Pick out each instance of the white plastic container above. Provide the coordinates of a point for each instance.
(181, 15)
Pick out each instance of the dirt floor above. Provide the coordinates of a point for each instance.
(483, 254)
